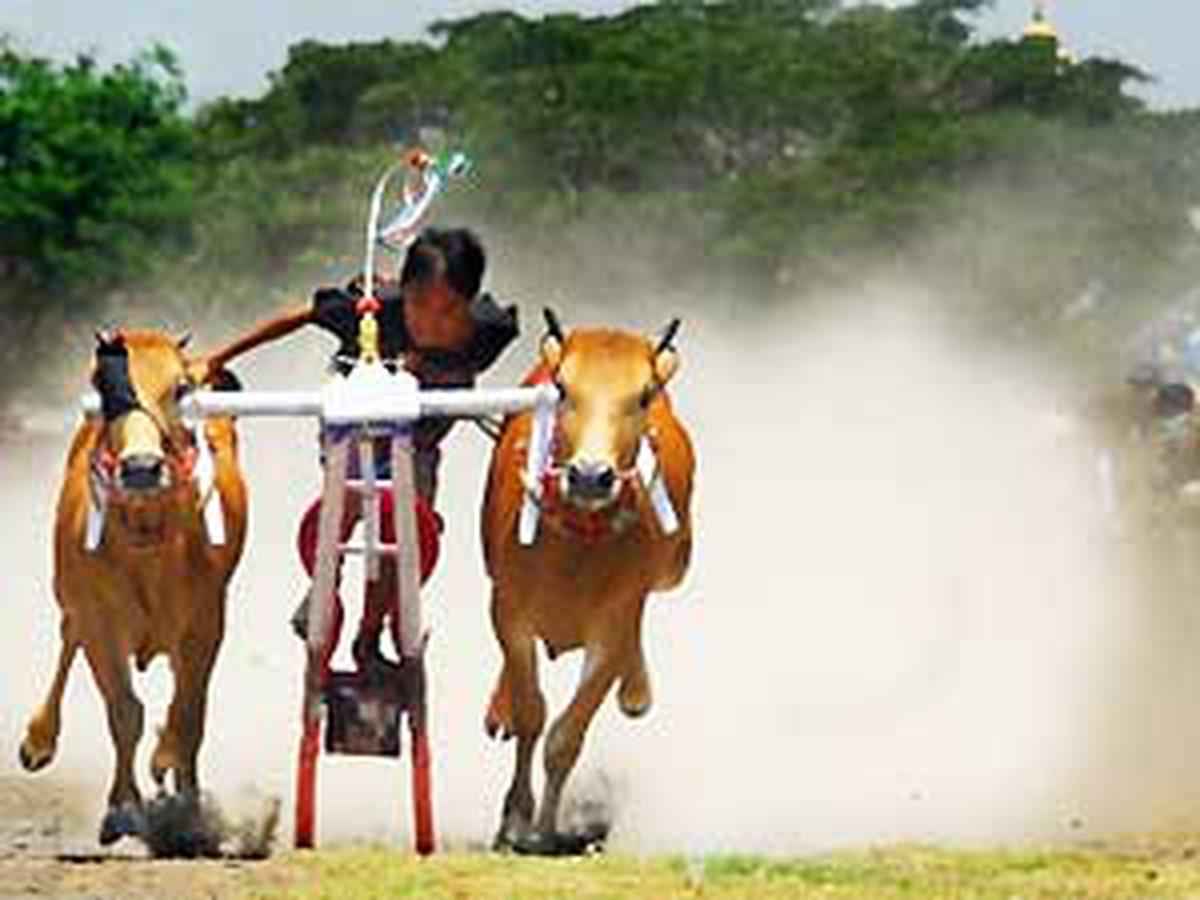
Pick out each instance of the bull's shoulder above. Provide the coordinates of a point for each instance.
(79, 456)
(221, 433)
(75, 485)
(673, 445)
(84, 439)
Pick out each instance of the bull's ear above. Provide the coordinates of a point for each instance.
(666, 359)
(552, 342)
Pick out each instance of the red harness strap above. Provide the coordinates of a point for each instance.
(588, 526)
(104, 464)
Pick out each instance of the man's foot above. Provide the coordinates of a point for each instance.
(367, 655)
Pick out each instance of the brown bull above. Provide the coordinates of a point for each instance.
(136, 573)
(599, 551)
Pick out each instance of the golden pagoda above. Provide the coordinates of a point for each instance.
(1039, 27)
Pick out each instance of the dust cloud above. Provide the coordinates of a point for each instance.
(907, 617)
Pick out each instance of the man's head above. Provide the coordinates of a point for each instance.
(441, 275)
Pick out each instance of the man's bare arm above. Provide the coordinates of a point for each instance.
(262, 333)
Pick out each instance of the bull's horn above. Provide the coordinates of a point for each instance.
(109, 339)
(667, 341)
(183, 340)
(553, 325)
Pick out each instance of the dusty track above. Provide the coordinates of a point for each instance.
(901, 626)
(48, 849)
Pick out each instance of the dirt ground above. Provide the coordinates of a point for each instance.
(48, 849)
(103, 878)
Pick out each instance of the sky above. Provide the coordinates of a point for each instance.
(228, 46)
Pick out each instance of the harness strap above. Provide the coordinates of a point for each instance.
(191, 464)
(614, 520)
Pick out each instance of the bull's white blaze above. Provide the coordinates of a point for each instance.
(140, 436)
(595, 445)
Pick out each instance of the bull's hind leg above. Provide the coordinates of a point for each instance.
(563, 743)
(498, 720)
(41, 734)
(634, 694)
(110, 668)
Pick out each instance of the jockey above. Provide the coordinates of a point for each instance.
(436, 324)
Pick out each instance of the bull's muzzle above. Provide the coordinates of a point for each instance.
(142, 472)
(591, 484)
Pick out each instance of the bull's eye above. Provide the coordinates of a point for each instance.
(647, 396)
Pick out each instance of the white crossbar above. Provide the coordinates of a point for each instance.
(457, 403)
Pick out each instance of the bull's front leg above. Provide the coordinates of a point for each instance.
(602, 664)
(634, 694)
(41, 734)
(528, 710)
(192, 663)
(110, 668)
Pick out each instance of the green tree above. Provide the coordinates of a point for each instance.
(95, 183)
(96, 168)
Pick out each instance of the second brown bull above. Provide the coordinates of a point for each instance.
(601, 549)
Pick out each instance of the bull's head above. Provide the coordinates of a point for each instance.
(140, 377)
(608, 382)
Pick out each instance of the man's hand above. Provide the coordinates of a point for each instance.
(200, 371)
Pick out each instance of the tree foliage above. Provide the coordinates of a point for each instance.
(777, 145)
(96, 167)
(96, 175)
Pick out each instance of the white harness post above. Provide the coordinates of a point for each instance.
(212, 510)
(538, 459)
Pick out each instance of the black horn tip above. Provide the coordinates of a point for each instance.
(667, 341)
(552, 323)
(109, 339)
(183, 340)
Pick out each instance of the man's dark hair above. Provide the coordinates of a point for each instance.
(455, 253)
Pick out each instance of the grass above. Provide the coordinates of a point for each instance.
(1167, 869)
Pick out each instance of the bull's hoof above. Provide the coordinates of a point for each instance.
(580, 843)
(34, 760)
(126, 820)
(179, 826)
(507, 838)
(369, 659)
(634, 695)
(497, 722)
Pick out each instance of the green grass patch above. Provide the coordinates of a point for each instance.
(905, 872)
